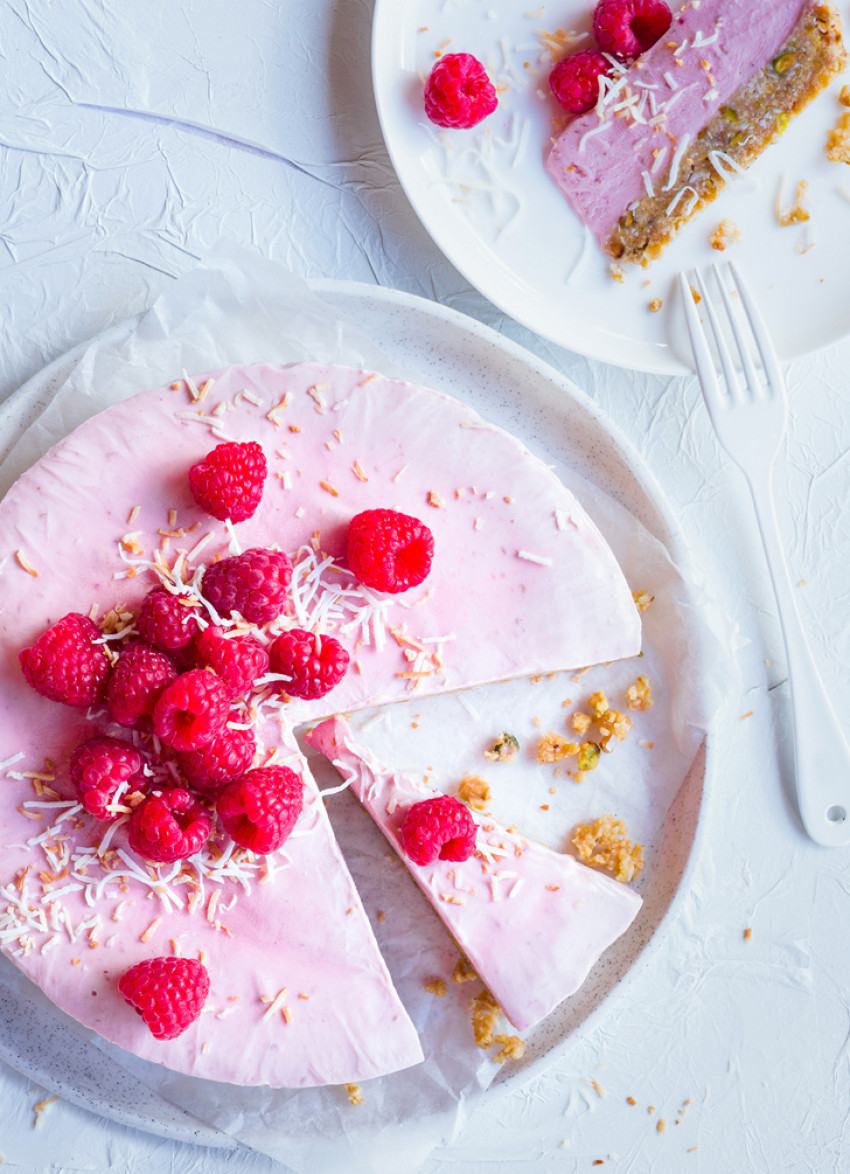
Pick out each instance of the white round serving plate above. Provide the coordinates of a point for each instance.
(558, 422)
(486, 200)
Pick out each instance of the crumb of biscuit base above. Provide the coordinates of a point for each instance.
(474, 792)
(355, 1094)
(605, 844)
(486, 1013)
(643, 599)
(512, 1048)
(639, 695)
(463, 971)
(554, 748)
(612, 724)
(504, 749)
(581, 722)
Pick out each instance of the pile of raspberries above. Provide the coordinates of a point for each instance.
(176, 679)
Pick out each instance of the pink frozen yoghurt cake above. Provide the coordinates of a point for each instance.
(521, 583)
(693, 112)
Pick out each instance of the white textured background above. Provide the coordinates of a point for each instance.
(132, 137)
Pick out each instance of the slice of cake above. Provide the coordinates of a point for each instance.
(521, 583)
(690, 114)
(531, 921)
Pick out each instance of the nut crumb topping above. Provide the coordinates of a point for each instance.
(726, 233)
(485, 1015)
(643, 599)
(554, 748)
(474, 792)
(639, 695)
(605, 843)
(463, 971)
(655, 305)
(355, 1094)
(436, 986)
(512, 1048)
(504, 749)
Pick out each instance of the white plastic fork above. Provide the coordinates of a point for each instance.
(749, 417)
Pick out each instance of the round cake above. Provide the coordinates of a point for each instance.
(521, 583)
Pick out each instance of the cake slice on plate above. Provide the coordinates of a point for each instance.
(691, 113)
(531, 921)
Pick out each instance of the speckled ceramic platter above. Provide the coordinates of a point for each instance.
(557, 421)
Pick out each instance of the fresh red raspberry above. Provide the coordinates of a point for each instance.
(136, 681)
(238, 660)
(254, 583)
(169, 825)
(228, 483)
(167, 621)
(313, 663)
(191, 710)
(65, 664)
(440, 827)
(389, 551)
(168, 993)
(259, 809)
(99, 767)
(458, 92)
(627, 28)
(222, 760)
(575, 80)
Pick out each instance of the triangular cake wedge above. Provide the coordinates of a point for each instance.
(531, 921)
(522, 583)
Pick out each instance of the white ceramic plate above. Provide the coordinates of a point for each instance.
(486, 200)
(557, 421)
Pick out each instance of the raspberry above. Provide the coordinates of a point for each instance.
(136, 681)
(228, 483)
(254, 583)
(627, 28)
(259, 809)
(238, 660)
(313, 663)
(389, 551)
(65, 664)
(99, 767)
(575, 80)
(169, 825)
(222, 760)
(191, 710)
(168, 993)
(440, 827)
(167, 621)
(458, 92)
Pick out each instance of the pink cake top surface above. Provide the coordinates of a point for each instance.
(629, 145)
(531, 921)
(522, 583)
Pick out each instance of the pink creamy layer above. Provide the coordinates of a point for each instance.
(531, 921)
(499, 614)
(602, 172)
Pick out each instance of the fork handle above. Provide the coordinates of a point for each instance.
(821, 752)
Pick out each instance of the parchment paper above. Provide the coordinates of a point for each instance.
(239, 308)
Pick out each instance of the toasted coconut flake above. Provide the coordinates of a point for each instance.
(24, 563)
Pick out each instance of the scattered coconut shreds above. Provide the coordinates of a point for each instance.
(358, 471)
(24, 563)
(355, 1094)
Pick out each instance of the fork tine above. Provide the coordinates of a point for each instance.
(733, 387)
(764, 342)
(752, 378)
(699, 344)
